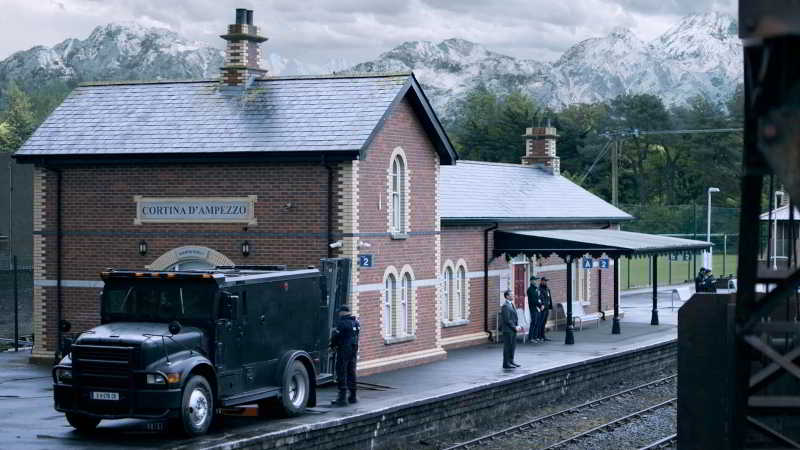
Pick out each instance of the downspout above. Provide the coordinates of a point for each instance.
(330, 207)
(59, 251)
(486, 278)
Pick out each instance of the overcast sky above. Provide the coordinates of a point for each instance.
(356, 30)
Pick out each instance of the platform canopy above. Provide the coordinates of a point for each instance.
(594, 242)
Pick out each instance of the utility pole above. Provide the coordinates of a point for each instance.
(615, 173)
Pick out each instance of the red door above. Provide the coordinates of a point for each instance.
(519, 286)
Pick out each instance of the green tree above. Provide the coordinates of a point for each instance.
(18, 121)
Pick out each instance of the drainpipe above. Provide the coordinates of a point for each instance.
(486, 278)
(330, 207)
(59, 253)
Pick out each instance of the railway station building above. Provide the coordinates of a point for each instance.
(251, 169)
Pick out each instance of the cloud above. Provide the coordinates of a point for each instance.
(357, 30)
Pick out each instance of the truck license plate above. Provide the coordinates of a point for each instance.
(105, 396)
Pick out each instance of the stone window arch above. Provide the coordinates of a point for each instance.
(398, 191)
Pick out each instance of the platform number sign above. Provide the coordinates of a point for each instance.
(673, 256)
(603, 262)
(366, 260)
(687, 257)
(588, 263)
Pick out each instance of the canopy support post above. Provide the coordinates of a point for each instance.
(615, 324)
(654, 318)
(569, 338)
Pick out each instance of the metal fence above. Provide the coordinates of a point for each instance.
(16, 302)
(688, 222)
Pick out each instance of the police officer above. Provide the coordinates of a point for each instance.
(699, 280)
(546, 300)
(509, 328)
(345, 342)
(535, 308)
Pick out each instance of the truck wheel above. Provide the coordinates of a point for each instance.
(81, 422)
(197, 406)
(295, 389)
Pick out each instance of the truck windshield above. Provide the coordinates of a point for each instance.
(157, 300)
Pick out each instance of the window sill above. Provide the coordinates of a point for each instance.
(455, 323)
(398, 339)
(399, 236)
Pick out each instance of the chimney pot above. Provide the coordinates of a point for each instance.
(249, 16)
(241, 16)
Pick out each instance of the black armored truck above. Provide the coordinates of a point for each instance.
(180, 345)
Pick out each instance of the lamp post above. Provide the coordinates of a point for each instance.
(709, 261)
(775, 231)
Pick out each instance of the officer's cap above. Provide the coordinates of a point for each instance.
(534, 277)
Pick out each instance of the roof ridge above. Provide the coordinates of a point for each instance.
(266, 78)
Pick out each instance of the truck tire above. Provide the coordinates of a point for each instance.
(295, 389)
(81, 422)
(197, 406)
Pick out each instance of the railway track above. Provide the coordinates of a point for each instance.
(566, 443)
(668, 442)
(527, 426)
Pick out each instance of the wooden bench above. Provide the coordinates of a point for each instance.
(578, 314)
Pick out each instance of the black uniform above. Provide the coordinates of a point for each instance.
(534, 303)
(508, 326)
(345, 342)
(546, 300)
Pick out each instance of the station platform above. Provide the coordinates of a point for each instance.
(28, 419)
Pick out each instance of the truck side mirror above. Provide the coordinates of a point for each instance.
(174, 327)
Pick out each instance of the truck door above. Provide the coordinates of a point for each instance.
(228, 345)
(335, 292)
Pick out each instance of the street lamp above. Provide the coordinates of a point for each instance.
(709, 261)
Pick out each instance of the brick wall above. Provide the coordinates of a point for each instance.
(401, 133)
(98, 212)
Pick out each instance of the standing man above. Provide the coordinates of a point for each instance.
(535, 308)
(345, 342)
(509, 328)
(546, 302)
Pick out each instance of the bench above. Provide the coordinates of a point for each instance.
(578, 314)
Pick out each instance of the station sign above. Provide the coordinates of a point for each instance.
(673, 256)
(588, 263)
(366, 260)
(604, 263)
(195, 210)
(687, 257)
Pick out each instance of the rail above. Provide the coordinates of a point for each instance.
(667, 442)
(590, 404)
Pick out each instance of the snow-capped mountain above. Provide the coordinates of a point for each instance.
(700, 55)
(128, 51)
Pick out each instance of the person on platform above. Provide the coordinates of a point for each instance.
(698, 280)
(546, 300)
(345, 342)
(509, 327)
(535, 308)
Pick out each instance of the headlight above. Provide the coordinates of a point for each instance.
(155, 378)
(64, 376)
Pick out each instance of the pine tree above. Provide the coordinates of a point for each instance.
(18, 121)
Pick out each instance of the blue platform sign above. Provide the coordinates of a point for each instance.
(687, 257)
(603, 263)
(673, 256)
(588, 263)
(365, 260)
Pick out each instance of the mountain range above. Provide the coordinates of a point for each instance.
(701, 55)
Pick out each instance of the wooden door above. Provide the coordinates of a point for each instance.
(519, 286)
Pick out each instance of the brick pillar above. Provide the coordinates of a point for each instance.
(540, 148)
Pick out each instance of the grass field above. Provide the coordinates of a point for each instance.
(640, 272)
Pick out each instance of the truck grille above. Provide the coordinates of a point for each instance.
(104, 366)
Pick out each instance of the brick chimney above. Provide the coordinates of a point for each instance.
(540, 148)
(242, 54)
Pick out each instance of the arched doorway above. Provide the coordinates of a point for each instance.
(190, 258)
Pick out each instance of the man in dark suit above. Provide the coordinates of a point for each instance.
(546, 302)
(509, 328)
(535, 308)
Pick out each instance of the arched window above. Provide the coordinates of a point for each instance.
(388, 301)
(398, 195)
(449, 293)
(461, 289)
(405, 307)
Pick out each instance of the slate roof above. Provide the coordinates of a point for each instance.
(482, 191)
(781, 213)
(298, 115)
